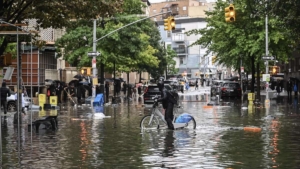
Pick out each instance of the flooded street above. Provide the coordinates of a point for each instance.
(83, 140)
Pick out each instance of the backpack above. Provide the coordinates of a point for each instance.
(295, 88)
(173, 96)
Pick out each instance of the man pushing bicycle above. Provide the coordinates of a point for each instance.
(168, 101)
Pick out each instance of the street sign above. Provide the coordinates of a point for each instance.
(94, 63)
(93, 54)
(266, 77)
(267, 57)
(242, 69)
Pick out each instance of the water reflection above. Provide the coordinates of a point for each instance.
(169, 144)
(219, 141)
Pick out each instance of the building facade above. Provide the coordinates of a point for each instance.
(191, 59)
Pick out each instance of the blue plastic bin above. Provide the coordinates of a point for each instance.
(99, 100)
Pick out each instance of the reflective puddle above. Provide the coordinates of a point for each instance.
(87, 140)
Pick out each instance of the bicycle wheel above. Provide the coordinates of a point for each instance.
(191, 124)
(145, 123)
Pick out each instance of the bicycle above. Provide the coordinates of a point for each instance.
(184, 120)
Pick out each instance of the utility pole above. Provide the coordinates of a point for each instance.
(267, 101)
(94, 61)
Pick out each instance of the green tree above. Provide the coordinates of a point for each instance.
(288, 12)
(171, 63)
(132, 48)
(244, 38)
(54, 13)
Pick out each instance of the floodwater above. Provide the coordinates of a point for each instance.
(83, 140)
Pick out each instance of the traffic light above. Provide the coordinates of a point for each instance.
(167, 24)
(172, 23)
(230, 13)
(275, 69)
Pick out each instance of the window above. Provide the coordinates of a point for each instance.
(177, 9)
(181, 61)
(181, 46)
(154, 19)
(154, 10)
(184, 8)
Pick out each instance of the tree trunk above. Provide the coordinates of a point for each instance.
(128, 88)
(258, 81)
(253, 73)
(3, 46)
(140, 76)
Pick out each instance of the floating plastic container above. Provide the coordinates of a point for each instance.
(99, 100)
(207, 107)
(252, 129)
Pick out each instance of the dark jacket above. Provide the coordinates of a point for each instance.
(72, 91)
(4, 93)
(289, 86)
(80, 91)
(166, 98)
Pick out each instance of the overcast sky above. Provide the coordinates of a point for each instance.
(155, 1)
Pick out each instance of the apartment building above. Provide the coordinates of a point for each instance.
(190, 59)
(189, 15)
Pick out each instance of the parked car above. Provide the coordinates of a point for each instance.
(216, 87)
(12, 102)
(231, 89)
(175, 84)
(152, 91)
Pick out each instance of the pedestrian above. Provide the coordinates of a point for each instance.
(4, 94)
(296, 89)
(187, 86)
(58, 90)
(79, 92)
(118, 87)
(168, 101)
(133, 92)
(196, 85)
(72, 93)
(107, 91)
(278, 88)
(289, 87)
(98, 90)
(124, 88)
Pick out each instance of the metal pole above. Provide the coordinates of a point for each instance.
(94, 59)
(267, 101)
(31, 93)
(19, 95)
(95, 41)
(242, 93)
